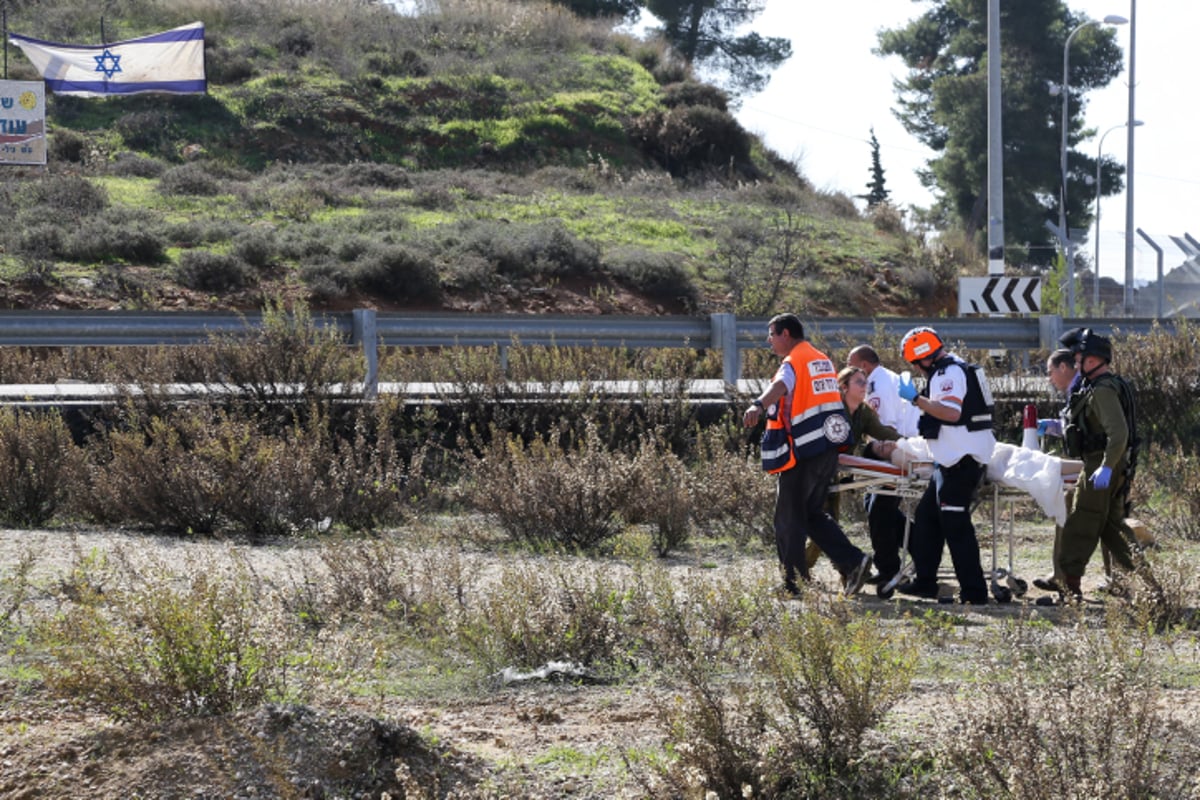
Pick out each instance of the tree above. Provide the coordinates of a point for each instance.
(943, 103)
(702, 32)
(877, 189)
(597, 9)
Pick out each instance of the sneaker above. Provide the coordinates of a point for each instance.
(1060, 600)
(788, 590)
(963, 601)
(1113, 588)
(918, 588)
(856, 577)
(1047, 584)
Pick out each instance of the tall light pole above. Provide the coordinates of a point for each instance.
(1096, 264)
(1129, 168)
(1065, 90)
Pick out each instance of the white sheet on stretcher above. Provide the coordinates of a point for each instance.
(1036, 473)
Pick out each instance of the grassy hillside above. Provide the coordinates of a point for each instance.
(484, 156)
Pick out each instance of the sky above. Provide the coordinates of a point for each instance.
(820, 106)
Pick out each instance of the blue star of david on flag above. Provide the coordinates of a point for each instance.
(169, 61)
(114, 66)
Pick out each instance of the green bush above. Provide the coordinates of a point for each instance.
(191, 179)
(694, 93)
(327, 280)
(207, 271)
(396, 272)
(256, 247)
(134, 165)
(540, 250)
(66, 145)
(657, 275)
(152, 130)
(116, 237)
(66, 196)
(690, 138)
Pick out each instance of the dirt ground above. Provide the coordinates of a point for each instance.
(536, 739)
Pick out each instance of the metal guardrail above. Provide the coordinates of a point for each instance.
(370, 330)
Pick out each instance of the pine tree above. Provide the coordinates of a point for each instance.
(943, 102)
(877, 189)
(705, 34)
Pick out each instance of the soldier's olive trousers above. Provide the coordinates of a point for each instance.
(1095, 516)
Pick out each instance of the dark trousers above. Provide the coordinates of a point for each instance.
(886, 523)
(800, 515)
(943, 520)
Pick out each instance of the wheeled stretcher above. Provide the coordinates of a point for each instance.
(1015, 475)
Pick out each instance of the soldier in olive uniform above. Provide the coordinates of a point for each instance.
(1098, 429)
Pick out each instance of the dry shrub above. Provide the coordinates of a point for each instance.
(279, 484)
(39, 466)
(1080, 718)
(174, 474)
(836, 674)
(144, 643)
(887, 218)
(370, 575)
(287, 361)
(1166, 482)
(200, 469)
(374, 481)
(1163, 367)
(735, 497)
(537, 613)
(16, 587)
(548, 496)
(826, 678)
(663, 497)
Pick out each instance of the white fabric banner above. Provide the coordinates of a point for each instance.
(22, 122)
(170, 62)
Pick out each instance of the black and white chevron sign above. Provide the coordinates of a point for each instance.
(999, 295)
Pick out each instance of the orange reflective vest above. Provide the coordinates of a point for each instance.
(809, 420)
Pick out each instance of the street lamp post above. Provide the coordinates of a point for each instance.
(1064, 89)
(1096, 263)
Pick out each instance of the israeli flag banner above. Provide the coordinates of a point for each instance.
(171, 62)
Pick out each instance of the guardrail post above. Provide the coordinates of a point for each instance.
(1050, 327)
(724, 338)
(364, 334)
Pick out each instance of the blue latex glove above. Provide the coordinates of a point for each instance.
(1101, 478)
(1049, 427)
(907, 389)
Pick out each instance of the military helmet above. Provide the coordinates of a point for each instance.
(1094, 344)
(920, 343)
(1073, 339)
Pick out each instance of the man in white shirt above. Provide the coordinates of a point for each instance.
(882, 391)
(956, 421)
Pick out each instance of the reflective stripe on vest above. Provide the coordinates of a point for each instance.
(815, 415)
